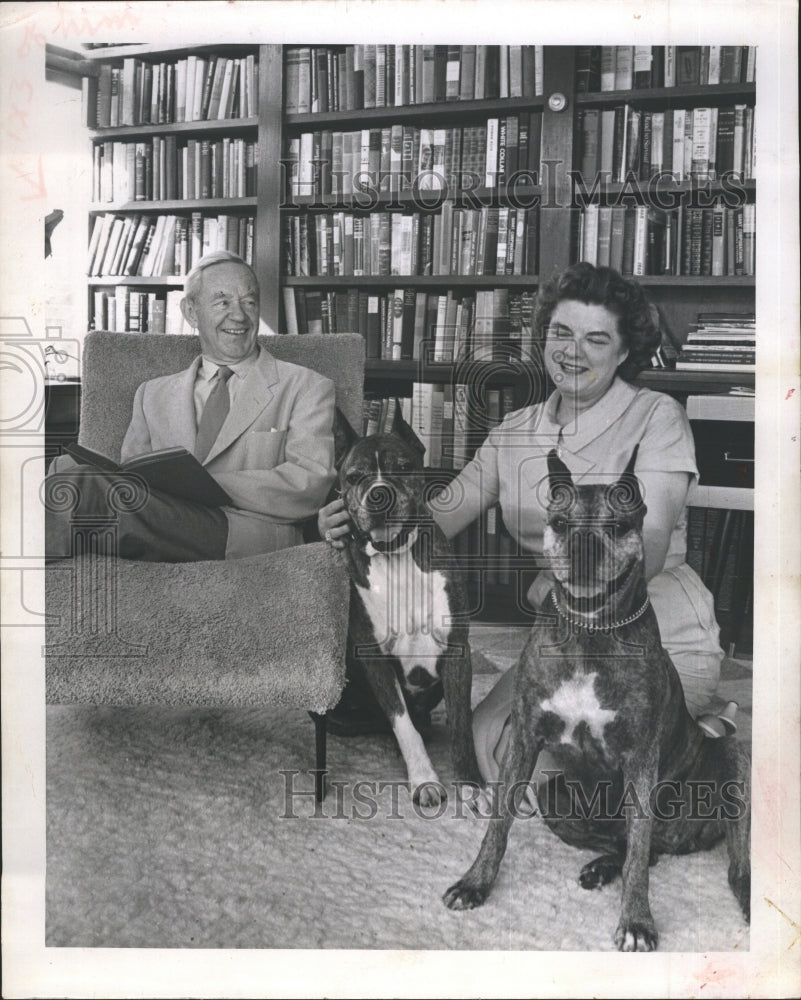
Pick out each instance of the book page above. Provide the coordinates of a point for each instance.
(354, 953)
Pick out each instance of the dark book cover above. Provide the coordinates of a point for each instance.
(688, 65)
(407, 324)
(588, 69)
(724, 155)
(492, 73)
(534, 142)
(440, 73)
(171, 470)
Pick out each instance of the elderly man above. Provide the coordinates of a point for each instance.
(261, 427)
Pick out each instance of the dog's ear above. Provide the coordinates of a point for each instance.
(561, 491)
(344, 437)
(557, 468)
(624, 496)
(629, 470)
(403, 430)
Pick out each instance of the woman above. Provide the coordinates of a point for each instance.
(599, 334)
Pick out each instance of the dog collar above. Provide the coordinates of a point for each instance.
(574, 618)
(402, 543)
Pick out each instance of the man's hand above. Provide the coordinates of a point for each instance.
(333, 523)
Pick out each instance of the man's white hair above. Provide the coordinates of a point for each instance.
(192, 281)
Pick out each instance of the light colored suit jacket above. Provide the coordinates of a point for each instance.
(274, 455)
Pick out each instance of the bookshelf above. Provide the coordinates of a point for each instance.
(376, 205)
(181, 154)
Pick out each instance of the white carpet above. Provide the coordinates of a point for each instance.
(165, 830)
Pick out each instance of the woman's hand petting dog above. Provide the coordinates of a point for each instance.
(333, 523)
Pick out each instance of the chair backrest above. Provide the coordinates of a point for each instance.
(116, 364)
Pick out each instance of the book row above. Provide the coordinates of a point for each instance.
(706, 143)
(448, 420)
(704, 536)
(196, 88)
(641, 240)
(401, 157)
(352, 77)
(601, 68)
(163, 169)
(454, 241)
(123, 309)
(720, 342)
(148, 245)
(492, 324)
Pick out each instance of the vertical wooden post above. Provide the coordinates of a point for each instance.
(269, 180)
(559, 72)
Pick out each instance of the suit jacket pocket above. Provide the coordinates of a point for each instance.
(264, 449)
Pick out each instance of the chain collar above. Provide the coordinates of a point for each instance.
(576, 619)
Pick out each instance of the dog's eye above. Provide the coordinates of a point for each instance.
(352, 478)
(623, 527)
(558, 524)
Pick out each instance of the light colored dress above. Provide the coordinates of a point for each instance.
(511, 468)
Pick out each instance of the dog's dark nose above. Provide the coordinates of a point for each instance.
(379, 497)
(586, 553)
(419, 677)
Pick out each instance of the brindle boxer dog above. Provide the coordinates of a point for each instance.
(407, 631)
(595, 686)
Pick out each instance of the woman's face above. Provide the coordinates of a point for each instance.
(583, 349)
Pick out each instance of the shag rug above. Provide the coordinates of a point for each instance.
(171, 828)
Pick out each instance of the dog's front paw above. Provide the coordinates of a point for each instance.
(429, 794)
(600, 872)
(463, 896)
(741, 887)
(636, 935)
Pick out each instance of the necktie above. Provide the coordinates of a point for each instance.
(214, 413)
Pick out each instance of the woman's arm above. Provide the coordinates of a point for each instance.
(665, 495)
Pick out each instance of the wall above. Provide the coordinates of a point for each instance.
(67, 162)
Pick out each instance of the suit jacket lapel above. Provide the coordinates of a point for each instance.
(253, 395)
(177, 408)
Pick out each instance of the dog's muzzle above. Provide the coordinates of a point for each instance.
(587, 554)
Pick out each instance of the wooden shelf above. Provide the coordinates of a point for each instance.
(411, 113)
(699, 281)
(654, 187)
(663, 97)
(520, 195)
(153, 51)
(417, 370)
(177, 205)
(217, 126)
(674, 382)
(682, 382)
(159, 280)
(415, 281)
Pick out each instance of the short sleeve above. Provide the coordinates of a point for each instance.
(666, 443)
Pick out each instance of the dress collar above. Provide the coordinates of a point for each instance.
(573, 437)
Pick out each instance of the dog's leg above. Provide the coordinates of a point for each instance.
(521, 755)
(386, 687)
(738, 834)
(423, 779)
(457, 681)
(636, 930)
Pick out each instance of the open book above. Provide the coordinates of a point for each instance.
(172, 470)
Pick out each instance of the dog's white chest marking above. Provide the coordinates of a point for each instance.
(575, 701)
(408, 609)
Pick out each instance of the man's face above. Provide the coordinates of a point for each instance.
(225, 312)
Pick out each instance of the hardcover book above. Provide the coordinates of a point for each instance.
(171, 470)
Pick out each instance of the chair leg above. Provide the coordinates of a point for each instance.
(320, 733)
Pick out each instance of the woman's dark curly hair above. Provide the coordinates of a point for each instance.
(603, 286)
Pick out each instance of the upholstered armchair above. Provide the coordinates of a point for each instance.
(268, 629)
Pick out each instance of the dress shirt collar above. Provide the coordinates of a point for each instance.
(208, 368)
